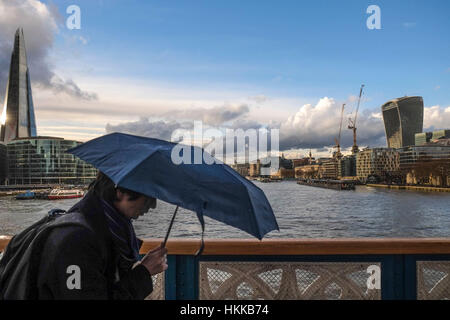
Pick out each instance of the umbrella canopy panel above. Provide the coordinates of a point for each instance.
(215, 190)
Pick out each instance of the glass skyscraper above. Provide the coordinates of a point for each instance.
(403, 118)
(17, 119)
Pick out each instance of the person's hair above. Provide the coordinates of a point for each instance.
(105, 188)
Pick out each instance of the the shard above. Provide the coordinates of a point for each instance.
(17, 119)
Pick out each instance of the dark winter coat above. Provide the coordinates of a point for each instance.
(82, 263)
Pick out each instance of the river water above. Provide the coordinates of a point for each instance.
(301, 212)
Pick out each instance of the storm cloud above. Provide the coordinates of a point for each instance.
(158, 129)
(313, 126)
(215, 116)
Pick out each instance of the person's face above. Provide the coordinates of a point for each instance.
(133, 209)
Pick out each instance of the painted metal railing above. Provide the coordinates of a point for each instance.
(363, 268)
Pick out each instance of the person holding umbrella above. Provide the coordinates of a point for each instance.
(101, 260)
(93, 253)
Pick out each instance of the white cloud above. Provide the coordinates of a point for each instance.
(312, 126)
(318, 125)
(409, 24)
(377, 115)
(436, 117)
(259, 98)
(83, 40)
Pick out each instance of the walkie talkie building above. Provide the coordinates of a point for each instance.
(403, 118)
(17, 119)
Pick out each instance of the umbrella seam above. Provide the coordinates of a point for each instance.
(137, 165)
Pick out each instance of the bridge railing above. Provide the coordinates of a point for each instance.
(363, 268)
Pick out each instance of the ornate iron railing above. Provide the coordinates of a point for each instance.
(303, 269)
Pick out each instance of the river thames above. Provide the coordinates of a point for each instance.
(301, 212)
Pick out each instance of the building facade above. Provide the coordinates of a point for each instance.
(426, 165)
(3, 163)
(309, 171)
(242, 168)
(403, 118)
(347, 166)
(329, 169)
(255, 169)
(269, 166)
(380, 162)
(300, 162)
(283, 173)
(434, 136)
(17, 118)
(43, 160)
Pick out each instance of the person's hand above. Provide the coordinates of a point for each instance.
(155, 260)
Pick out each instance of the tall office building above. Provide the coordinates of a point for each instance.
(17, 119)
(403, 118)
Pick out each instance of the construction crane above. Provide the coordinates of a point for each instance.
(352, 123)
(338, 139)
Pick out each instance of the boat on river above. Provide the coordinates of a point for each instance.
(29, 195)
(328, 184)
(57, 194)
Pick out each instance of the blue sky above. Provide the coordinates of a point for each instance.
(291, 48)
(266, 62)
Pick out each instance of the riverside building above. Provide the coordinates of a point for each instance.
(242, 168)
(379, 162)
(3, 163)
(309, 171)
(329, 169)
(426, 137)
(427, 164)
(255, 169)
(347, 167)
(43, 160)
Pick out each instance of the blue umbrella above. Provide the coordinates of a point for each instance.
(215, 190)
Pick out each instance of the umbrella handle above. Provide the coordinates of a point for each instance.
(170, 227)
